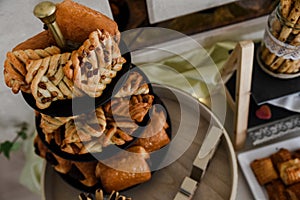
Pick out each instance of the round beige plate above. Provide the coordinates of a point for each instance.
(220, 180)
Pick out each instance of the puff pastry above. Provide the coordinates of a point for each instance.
(95, 63)
(140, 105)
(276, 190)
(281, 156)
(134, 108)
(155, 142)
(47, 80)
(124, 170)
(61, 165)
(290, 171)
(76, 22)
(134, 85)
(49, 124)
(118, 134)
(88, 171)
(264, 170)
(15, 66)
(294, 192)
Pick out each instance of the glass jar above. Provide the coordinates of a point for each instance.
(280, 51)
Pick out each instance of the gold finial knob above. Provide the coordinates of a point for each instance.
(45, 11)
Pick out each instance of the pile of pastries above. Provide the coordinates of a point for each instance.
(128, 120)
(279, 174)
(113, 123)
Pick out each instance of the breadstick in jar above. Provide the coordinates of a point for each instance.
(277, 63)
(294, 67)
(285, 7)
(285, 66)
(270, 59)
(293, 18)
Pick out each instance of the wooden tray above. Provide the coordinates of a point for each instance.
(220, 181)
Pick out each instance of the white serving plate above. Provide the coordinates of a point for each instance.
(220, 181)
(247, 157)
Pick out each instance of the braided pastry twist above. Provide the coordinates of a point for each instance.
(15, 66)
(95, 63)
(119, 133)
(47, 80)
(140, 105)
(49, 124)
(134, 85)
(135, 108)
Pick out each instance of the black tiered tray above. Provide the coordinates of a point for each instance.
(111, 149)
(154, 161)
(85, 104)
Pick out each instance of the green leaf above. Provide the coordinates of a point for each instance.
(6, 147)
(22, 134)
(16, 146)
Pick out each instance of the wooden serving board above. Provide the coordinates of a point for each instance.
(190, 121)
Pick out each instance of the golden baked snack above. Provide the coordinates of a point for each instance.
(134, 85)
(154, 136)
(287, 185)
(88, 171)
(276, 190)
(47, 80)
(116, 133)
(39, 148)
(15, 68)
(124, 170)
(264, 170)
(92, 131)
(59, 164)
(281, 156)
(76, 22)
(95, 63)
(294, 192)
(134, 108)
(290, 171)
(140, 105)
(49, 124)
(84, 172)
(114, 123)
(41, 40)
